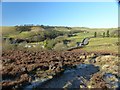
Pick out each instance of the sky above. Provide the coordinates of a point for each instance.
(59, 0)
(75, 14)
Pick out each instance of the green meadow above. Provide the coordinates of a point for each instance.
(98, 43)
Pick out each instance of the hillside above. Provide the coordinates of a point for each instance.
(55, 35)
(11, 29)
(39, 57)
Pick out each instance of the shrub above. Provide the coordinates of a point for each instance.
(60, 47)
(95, 34)
(103, 34)
(7, 46)
(23, 28)
(108, 33)
(50, 44)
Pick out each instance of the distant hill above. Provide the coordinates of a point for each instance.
(6, 30)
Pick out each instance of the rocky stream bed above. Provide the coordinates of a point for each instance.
(26, 70)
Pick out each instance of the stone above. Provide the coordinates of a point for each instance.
(67, 85)
(50, 77)
(85, 41)
(111, 80)
(105, 66)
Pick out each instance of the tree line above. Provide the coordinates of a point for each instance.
(41, 35)
(104, 34)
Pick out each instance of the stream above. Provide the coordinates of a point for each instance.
(70, 78)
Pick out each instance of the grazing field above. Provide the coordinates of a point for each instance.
(8, 30)
(38, 36)
(100, 44)
(103, 44)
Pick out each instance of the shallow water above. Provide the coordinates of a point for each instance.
(71, 78)
(112, 80)
(35, 83)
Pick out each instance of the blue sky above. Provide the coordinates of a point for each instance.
(82, 14)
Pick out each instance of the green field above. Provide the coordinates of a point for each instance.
(95, 44)
(102, 44)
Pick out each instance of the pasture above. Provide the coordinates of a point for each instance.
(98, 43)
